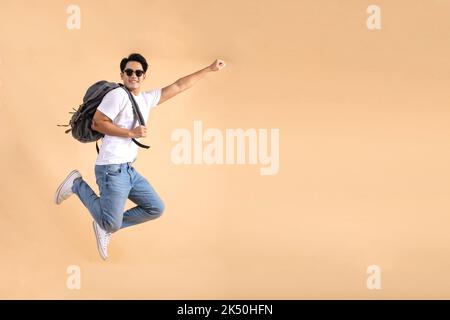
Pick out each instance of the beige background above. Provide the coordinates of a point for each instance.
(364, 149)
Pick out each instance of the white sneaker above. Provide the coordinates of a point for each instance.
(64, 190)
(103, 238)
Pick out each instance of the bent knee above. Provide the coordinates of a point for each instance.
(155, 210)
(112, 226)
(159, 209)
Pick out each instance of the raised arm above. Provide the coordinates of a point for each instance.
(188, 81)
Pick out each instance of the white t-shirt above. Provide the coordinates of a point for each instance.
(116, 105)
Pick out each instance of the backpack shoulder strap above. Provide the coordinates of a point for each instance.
(137, 112)
(135, 106)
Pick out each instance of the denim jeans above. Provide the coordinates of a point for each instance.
(117, 183)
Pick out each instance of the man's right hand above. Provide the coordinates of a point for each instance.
(139, 132)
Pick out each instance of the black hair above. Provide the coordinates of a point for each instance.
(134, 57)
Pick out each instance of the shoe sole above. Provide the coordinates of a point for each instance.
(62, 184)
(98, 242)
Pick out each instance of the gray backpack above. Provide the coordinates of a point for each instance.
(81, 120)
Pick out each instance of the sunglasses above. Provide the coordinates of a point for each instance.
(129, 72)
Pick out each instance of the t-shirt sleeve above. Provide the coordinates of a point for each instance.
(111, 104)
(153, 96)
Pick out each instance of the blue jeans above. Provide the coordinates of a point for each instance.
(117, 183)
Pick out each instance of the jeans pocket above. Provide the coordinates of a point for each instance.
(113, 170)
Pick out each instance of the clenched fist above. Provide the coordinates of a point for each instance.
(139, 132)
(217, 65)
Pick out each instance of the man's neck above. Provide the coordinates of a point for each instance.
(135, 91)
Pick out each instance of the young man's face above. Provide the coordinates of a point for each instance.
(133, 81)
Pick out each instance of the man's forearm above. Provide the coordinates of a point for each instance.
(111, 129)
(187, 81)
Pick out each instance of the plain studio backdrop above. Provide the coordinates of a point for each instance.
(364, 174)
